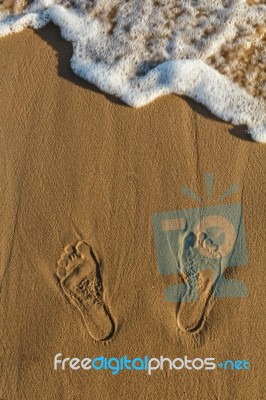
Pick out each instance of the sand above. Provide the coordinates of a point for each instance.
(77, 164)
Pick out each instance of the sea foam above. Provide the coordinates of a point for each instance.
(212, 51)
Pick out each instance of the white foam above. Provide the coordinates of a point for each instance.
(138, 50)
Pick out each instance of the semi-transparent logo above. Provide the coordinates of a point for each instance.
(200, 244)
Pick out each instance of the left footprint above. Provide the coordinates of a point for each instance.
(80, 280)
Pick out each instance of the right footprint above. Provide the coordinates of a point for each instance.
(200, 262)
(80, 280)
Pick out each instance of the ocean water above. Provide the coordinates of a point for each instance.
(212, 51)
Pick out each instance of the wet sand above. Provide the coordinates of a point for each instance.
(77, 164)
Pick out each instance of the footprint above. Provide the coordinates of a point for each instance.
(80, 280)
(200, 267)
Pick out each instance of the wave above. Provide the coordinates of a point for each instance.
(213, 52)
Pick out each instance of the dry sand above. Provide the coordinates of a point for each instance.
(78, 164)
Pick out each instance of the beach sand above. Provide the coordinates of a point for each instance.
(77, 164)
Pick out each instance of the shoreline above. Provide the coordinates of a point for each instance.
(78, 165)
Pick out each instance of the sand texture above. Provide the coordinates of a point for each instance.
(81, 177)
